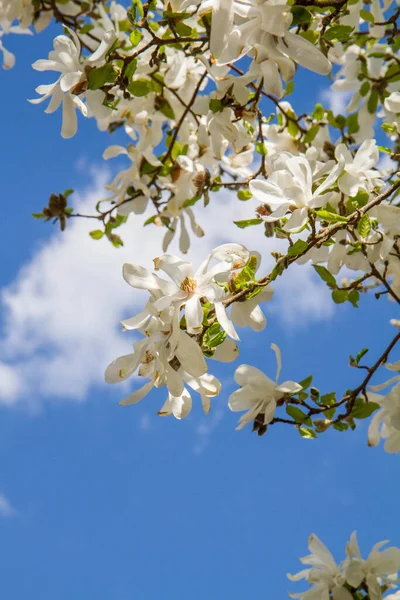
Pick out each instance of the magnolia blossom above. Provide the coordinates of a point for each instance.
(358, 172)
(378, 569)
(167, 356)
(331, 580)
(258, 394)
(325, 576)
(66, 90)
(385, 423)
(261, 29)
(291, 189)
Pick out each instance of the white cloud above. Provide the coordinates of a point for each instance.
(62, 311)
(6, 509)
(336, 101)
(204, 431)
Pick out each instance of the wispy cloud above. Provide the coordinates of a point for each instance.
(205, 430)
(61, 313)
(6, 509)
(336, 101)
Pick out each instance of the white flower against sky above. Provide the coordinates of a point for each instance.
(258, 394)
(358, 172)
(325, 576)
(379, 568)
(385, 423)
(291, 189)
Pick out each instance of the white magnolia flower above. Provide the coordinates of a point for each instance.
(247, 313)
(65, 59)
(166, 356)
(385, 423)
(392, 103)
(357, 172)
(259, 395)
(66, 90)
(325, 575)
(291, 189)
(207, 386)
(188, 287)
(378, 569)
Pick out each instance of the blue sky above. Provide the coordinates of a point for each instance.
(112, 503)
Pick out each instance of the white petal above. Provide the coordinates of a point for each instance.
(289, 387)
(267, 192)
(69, 119)
(297, 220)
(122, 367)
(138, 395)
(226, 352)
(193, 315)
(277, 351)
(304, 53)
(190, 356)
(224, 320)
(69, 80)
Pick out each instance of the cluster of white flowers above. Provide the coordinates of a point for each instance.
(361, 71)
(170, 356)
(378, 572)
(185, 81)
(386, 421)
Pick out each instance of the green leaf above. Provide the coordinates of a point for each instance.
(183, 29)
(298, 415)
(261, 149)
(318, 112)
(367, 16)
(214, 336)
(341, 426)
(150, 220)
(361, 354)
(360, 200)
(330, 217)
(373, 102)
(328, 399)
(305, 383)
(338, 33)
(352, 123)
(97, 78)
(297, 248)
(139, 87)
(354, 297)
(165, 108)
(216, 105)
(246, 275)
(97, 234)
(364, 226)
(364, 89)
(277, 270)
(37, 215)
(68, 192)
(300, 15)
(130, 69)
(248, 223)
(311, 134)
(244, 195)
(339, 296)
(289, 86)
(325, 275)
(387, 128)
(363, 410)
(307, 433)
(135, 37)
(329, 414)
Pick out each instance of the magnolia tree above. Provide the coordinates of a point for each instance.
(192, 84)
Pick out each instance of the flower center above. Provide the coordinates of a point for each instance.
(188, 285)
